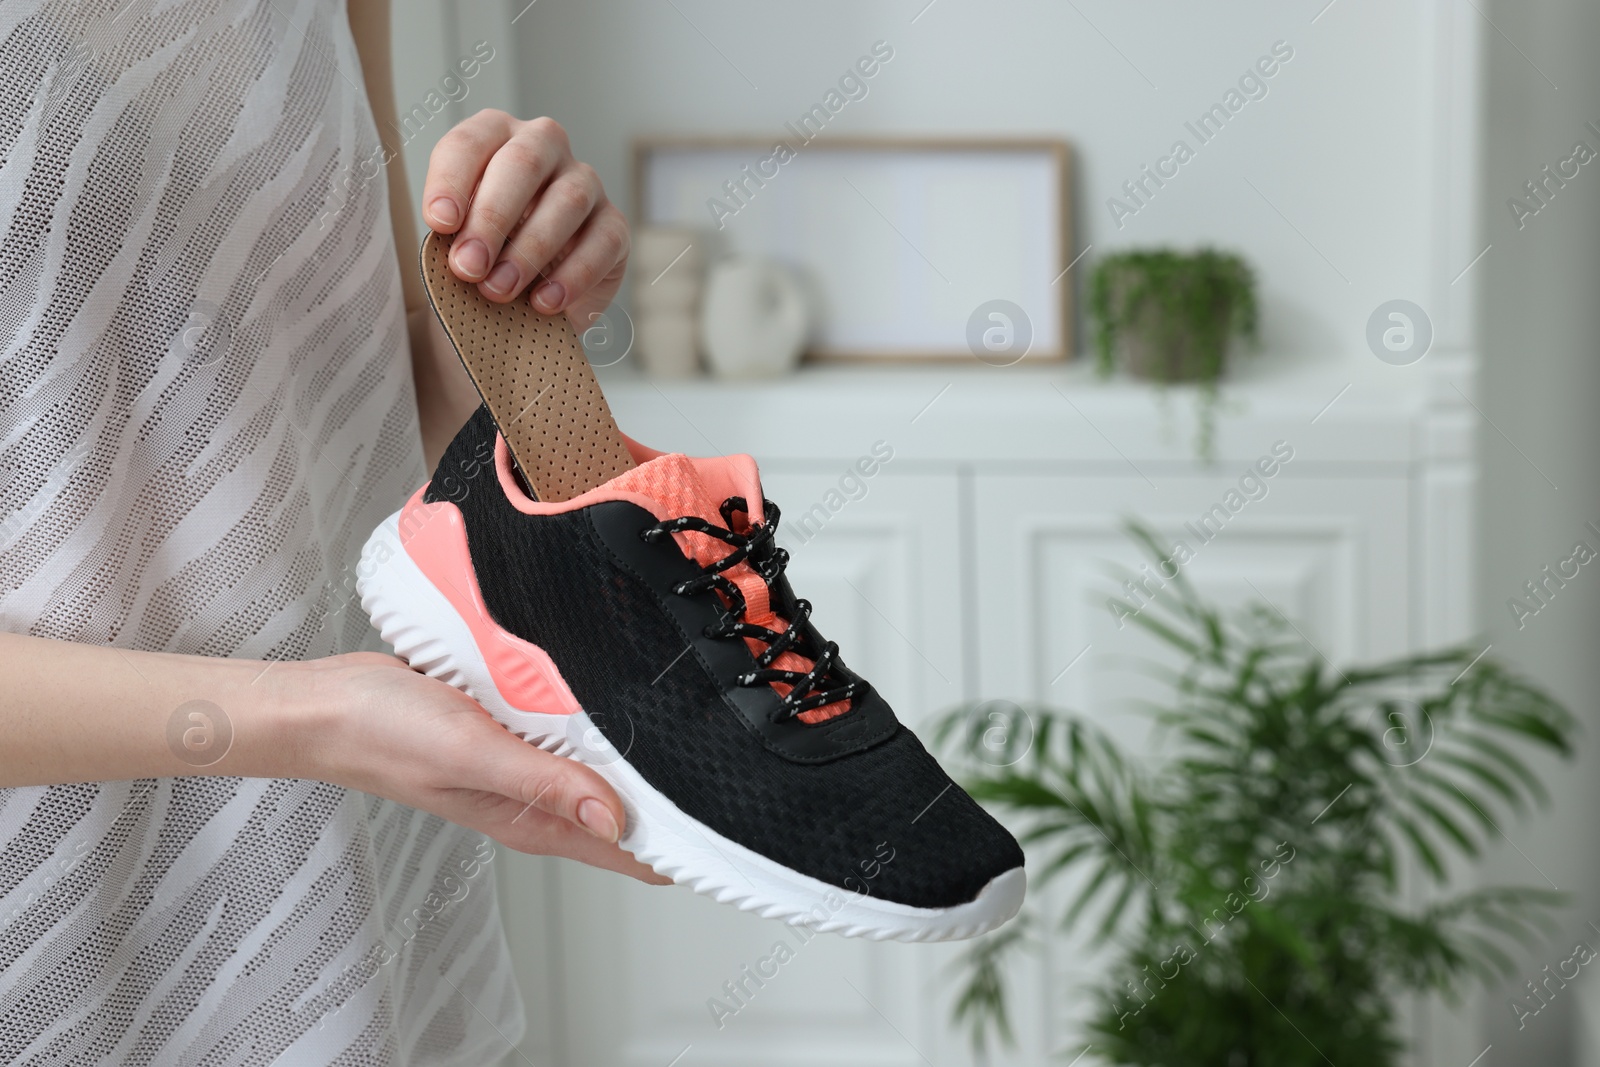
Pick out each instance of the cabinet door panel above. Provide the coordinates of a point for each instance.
(1328, 553)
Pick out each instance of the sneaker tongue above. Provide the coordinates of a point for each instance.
(685, 486)
(674, 481)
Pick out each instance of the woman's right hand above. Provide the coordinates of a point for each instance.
(378, 726)
(90, 713)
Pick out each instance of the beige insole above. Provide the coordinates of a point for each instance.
(531, 372)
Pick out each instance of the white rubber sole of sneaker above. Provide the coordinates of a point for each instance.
(425, 630)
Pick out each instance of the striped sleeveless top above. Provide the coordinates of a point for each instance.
(205, 406)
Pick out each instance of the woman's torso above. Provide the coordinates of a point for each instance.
(205, 406)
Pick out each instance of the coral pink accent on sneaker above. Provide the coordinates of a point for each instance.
(667, 480)
(435, 537)
(684, 486)
(669, 485)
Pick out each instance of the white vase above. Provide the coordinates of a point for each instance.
(754, 318)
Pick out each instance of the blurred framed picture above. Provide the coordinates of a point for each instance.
(910, 249)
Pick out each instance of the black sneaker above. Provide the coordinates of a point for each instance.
(646, 628)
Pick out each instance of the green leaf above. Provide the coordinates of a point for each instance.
(1421, 846)
(1166, 633)
(1449, 790)
(981, 1004)
(1442, 820)
(1101, 878)
(1502, 755)
(1066, 858)
(1113, 916)
(1531, 727)
(1485, 774)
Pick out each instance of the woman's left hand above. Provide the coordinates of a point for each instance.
(526, 215)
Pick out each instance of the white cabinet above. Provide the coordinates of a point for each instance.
(1330, 553)
(972, 565)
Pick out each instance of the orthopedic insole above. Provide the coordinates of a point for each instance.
(536, 381)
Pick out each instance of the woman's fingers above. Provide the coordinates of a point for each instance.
(453, 175)
(511, 193)
(592, 268)
(376, 725)
(457, 163)
(560, 211)
(540, 781)
(535, 802)
(495, 232)
(525, 214)
(541, 834)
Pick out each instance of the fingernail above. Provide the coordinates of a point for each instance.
(444, 211)
(550, 296)
(596, 818)
(502, 279)
(472, 259)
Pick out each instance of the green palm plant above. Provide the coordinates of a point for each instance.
(1251, 879)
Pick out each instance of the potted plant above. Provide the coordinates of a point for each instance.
(1172, 316)
(1249, 878)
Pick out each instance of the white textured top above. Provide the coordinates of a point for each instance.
(205, 406)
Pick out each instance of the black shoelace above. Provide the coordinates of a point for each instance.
(807, 690)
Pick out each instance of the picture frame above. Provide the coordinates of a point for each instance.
(905, 244)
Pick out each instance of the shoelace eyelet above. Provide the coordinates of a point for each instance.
(808, 689)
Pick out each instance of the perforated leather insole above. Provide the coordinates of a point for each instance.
(531, 372)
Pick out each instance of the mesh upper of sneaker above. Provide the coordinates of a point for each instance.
(549, 578)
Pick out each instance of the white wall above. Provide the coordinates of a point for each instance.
(430, 37)
(1342, 145)
(1541, 376)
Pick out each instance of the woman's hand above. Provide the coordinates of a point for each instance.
(91, 713)
(383, 728)
(526, 213)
